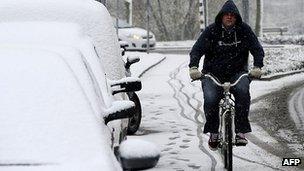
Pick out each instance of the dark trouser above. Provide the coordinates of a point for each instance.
(212, 97)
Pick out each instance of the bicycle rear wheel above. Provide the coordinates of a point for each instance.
(228, 144)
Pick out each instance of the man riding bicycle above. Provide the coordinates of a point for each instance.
(226, 45)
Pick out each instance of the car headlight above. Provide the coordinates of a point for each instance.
(134, 36)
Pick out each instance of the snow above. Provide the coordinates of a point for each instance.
(118, 106)
(43, 43)
(47, 33)
(173, 121)
(296, 108)
(90, 15)
(146, 61)
(172, 44)
(137, 148)
(126, 80)
(38, 103)
(259, 88)
(286, 39)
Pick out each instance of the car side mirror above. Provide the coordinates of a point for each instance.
(123, 45)
(123, 51)
(130, 61)
(136, 154)
(127, 84)
(119, 110)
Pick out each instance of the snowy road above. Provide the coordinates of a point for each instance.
(173, 119)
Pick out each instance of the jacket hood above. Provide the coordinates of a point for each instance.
(229, 7)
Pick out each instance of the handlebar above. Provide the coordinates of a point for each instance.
(217, 82)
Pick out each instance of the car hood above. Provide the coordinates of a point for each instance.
(47, 120)
(132, 31)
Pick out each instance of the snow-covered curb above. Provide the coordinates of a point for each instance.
(176, 44)
(281, 75)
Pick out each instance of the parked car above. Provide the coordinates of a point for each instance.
(135, 37)
(64, 104)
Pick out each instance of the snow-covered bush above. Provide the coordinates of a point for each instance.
(278, 39)
(278, 60)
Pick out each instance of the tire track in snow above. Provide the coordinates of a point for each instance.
(278, 102)
(175, 95)
(296, 108)
(198, 112)
(248, 160)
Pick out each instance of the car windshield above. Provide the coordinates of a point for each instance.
(121, 23)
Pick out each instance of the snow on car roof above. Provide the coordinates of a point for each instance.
(41, 33)
(63, 38)
(49, 121)
(92, 16)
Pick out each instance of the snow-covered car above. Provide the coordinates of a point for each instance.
(135, 37)
(63, 84)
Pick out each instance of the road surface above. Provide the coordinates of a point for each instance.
(173, 119)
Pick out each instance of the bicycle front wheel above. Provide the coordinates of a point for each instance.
(228, 145)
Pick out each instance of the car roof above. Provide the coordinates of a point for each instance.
(42, 33)
(93, 18)
(63, 38)
(47, 121)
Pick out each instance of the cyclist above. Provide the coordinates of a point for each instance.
(226, 45)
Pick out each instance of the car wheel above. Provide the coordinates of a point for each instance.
(135, 120)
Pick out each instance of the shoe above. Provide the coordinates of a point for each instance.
(240, 139)
(213, 141)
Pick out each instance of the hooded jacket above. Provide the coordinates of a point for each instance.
(226, 50)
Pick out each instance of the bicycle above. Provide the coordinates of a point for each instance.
(227, 113)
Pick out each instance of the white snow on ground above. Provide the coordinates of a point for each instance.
(169, 118)
(145, 62)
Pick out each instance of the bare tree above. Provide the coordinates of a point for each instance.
(245, 10)
(259, 17)
(177, 19)
(158, 15)
(189, 20)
